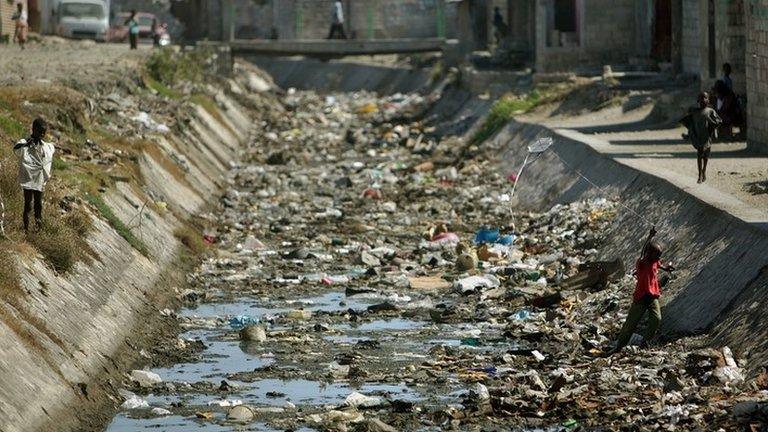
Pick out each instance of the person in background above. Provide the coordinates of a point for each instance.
(155, 33)
(728, 108)
(500, 27)
(646, 295)
(35, 162)
(133, 30)
(337, 23)
(727, 75)
(22, 25)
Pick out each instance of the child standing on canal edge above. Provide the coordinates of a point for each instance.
(35, 162)
(647, 293)
(702, 122)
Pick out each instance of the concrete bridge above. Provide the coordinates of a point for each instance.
(335, 48)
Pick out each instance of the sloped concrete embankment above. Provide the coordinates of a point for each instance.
(719, 288)
(67, 335)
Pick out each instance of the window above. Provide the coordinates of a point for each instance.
(563, 23)
(82, 10)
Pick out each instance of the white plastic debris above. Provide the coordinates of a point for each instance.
(472, 283)
(359, 400)
(133, 401)
(225, 402)
(160, 412)
(145, 378)
(148, 123)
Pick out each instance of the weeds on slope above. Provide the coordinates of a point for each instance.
(507, 106)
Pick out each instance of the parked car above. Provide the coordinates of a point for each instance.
(118, 31)
(82, 19)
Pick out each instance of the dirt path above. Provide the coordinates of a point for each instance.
(56, 60)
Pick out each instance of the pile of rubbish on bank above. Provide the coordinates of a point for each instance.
(502, 316)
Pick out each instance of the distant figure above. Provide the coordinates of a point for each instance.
(727, 75)
(22, 25)
(500, 27)
(155, 33)
(728, 108)
(702, 122)
(337, 23)
(646, 295)
(133, 30)
(35, 162)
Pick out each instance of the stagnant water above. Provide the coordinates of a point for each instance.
(225, 356)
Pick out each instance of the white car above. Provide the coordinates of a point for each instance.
(82, 19)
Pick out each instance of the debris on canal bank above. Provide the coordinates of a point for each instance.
(364, 282)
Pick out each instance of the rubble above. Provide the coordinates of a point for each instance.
(389, 288)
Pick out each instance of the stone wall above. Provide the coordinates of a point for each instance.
(693, 34)
(607, 36)
(757, 73)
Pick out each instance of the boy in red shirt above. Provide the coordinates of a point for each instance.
(647, 293)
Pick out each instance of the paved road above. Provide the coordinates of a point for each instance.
(661, 151)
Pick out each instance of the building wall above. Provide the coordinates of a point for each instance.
(369, 18)
(757, 74)
(607, 36)
(732, 42)
(692, 37)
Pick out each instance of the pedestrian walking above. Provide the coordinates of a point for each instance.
(500, 27)
(727, 69)
(22, 25)
(133, 30)
(155, 33)
(702, 122)
(337, 23)
(646, 295)
(35, 162)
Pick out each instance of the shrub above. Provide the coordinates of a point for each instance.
(9, 274)
(56, 242)
(503, 110)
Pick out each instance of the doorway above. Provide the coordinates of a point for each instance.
(661, 49)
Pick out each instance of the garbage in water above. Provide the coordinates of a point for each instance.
(353, 289)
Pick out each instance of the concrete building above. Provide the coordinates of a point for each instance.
(756, 66)
(713, 33)
(7, 25)
(586, 34)
(311, 19)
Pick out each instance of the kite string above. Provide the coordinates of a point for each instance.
(618, 201)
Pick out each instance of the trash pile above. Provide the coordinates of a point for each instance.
(365, 282)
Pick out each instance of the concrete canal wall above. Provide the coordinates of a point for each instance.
(68, 338)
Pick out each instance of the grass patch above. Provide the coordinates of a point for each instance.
(59, 164)
(503, 110)
(10, 281)
(56, 243)
(116, 223)
(12, 127)
(161, 88)
(168, 67)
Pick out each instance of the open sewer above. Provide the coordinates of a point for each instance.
(362, 279)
